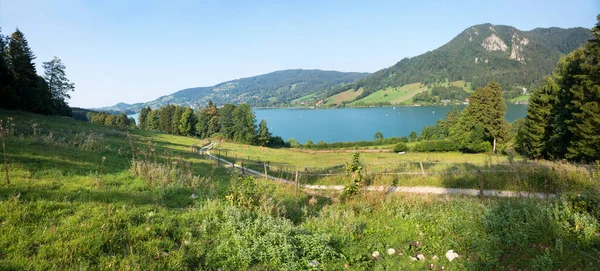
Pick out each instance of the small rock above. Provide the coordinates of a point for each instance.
(435, 257)
(391, 251)
(313, 263)
(421, 257)
(413, 258)
(194, 196)
(431, 266)
(376, 254)
(450, 255)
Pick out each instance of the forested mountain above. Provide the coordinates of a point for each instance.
(481, 53)
(272, 89)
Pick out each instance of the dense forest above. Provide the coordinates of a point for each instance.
(20, 86)
(272, 89)
(563, 118)
(482, 53)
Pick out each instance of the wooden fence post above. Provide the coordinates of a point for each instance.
(297, 183)
(218, 155)
(480, 183)
(266, 176)
(243, 168)
(422, 169)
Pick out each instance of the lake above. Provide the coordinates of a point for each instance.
(355, 124)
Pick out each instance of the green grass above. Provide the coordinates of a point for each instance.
(522, 98)
(345, 96)
(392, 95)
(305, 98)
(404, 94)
(75, 203)
(448, 169)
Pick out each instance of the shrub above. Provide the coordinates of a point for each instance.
(476, 147)
(404, 139)
(435, 146)
(400, 147)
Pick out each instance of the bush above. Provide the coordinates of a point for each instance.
(435, 146)
(476, 147)
(400, 147)
(404, 139)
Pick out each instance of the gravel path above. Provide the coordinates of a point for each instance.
(390, 189)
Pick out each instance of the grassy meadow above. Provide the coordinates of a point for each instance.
(392, 95)
(90, 197)
(345, 96)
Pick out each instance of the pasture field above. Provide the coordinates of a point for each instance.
(91, 197)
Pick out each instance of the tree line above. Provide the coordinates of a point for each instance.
(21, 88)
(236, 123)
(563, 118)
(120, 121)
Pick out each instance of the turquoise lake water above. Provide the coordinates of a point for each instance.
(354, 124)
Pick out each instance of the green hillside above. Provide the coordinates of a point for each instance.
(481, 53)
(273, 89)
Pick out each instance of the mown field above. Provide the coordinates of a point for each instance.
(392, 95)
(446, 169)
(93, 198)
(345, 96)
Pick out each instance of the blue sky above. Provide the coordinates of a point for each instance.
(136, 51)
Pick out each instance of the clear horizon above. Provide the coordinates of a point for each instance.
(141, 50)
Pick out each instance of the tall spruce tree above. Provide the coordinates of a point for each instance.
(585, 123)
(25, 81)
(7, 92)
(567, 70)
(533, 136)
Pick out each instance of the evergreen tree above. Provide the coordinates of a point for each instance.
(187, 122)
(143, 118)
(586, 121)
(7, 92)
(486, 108)
(263, 134)
(226, 121)
(176, 119)
(535, 132)
(153, 121)
(54, 74)
(244, 123)
(25, 81)
(568, 68)
(166, 119)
